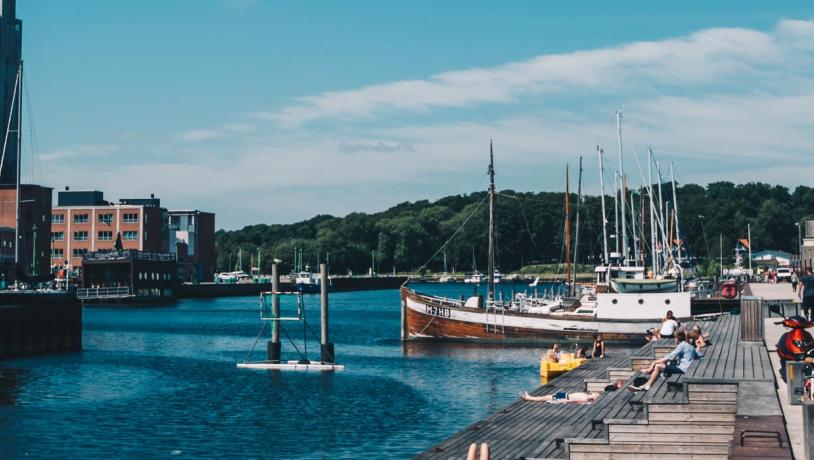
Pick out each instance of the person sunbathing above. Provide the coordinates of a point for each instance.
(561, 397)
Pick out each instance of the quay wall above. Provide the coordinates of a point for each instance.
(35, 324)
(209, 290)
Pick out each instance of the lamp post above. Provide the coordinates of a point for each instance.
(799, 245)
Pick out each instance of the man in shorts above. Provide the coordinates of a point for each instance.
(806, 292)
(561, 397)
(684, 353)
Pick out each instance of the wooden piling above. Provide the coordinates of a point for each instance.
(326, 347)
(274, 348)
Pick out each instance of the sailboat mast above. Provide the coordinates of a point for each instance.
(576, 233)
(675, 210)
(491, 295)
(616, 209)
(600, 154)
(633, 226)
(19, 160)
(653, 251)
(567, 234)
(623, 189)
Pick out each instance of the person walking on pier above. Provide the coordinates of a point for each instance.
(806, 292)
(683, 352)
(794, 281)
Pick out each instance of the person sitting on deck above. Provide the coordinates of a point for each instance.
(696, 337)
(599, 347)
(668, 326)
(552, 355)
(561, 397)
(684, 353)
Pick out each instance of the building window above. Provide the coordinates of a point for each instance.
(105, 236)
(145, 235)
(57, 236)
(80, 236)
(57, 218)
(130, 235)
(57, 253)
(79, 252)
(130, 218)
(105, 218)
(80, 218)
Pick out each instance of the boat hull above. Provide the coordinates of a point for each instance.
(427, 317)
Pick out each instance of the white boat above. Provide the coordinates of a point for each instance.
(233, 277)
(475, 278)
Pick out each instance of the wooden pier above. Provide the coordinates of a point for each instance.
(725, 406)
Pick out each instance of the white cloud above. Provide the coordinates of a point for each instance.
(198, 135)
(697, 58)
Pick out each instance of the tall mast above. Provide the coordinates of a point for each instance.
(567, 234)
(633, 226)
(623, 191)
(653, 252)
(600, 153)
(675, 210)
(576, 233)
(616, 209)
(491, 295)
(19, 160)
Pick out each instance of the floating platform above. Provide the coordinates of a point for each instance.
(291, 366)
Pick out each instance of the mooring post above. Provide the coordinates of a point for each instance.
(274, 343)
(808, 428)
(326, 347)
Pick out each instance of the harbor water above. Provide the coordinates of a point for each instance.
(161, 381)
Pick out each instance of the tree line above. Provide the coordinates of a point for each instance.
(529, 230)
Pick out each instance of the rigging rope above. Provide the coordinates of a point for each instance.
(453, 235)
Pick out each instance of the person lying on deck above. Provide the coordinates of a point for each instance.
(684, 353)
(561, 397)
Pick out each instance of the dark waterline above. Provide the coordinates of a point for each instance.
(162, 382)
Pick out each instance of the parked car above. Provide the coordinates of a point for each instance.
(783, 274)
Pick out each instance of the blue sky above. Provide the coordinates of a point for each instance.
(270, 112)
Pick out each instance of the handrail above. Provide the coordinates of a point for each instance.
(103, 293)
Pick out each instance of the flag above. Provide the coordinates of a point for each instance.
(744, 242)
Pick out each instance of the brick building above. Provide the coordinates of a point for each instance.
(191, 238)
(35, 229)
(82, 221)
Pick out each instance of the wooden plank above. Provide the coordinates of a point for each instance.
(712, 397)
(710, 418)
(694, 408)
(685, 449)
(712, 388)
(667, 429)
(670, 438)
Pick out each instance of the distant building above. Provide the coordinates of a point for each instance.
(11, 35)
(807, 249)
(191, 237)
(35, 230)
(772, 259)
(128, 275)
(82, 222)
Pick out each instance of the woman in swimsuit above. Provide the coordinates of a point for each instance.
(561, 397)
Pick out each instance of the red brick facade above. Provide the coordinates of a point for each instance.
(75, 230)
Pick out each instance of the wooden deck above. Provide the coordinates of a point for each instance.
(709, 412)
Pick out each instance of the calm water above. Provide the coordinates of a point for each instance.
(162, 382)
